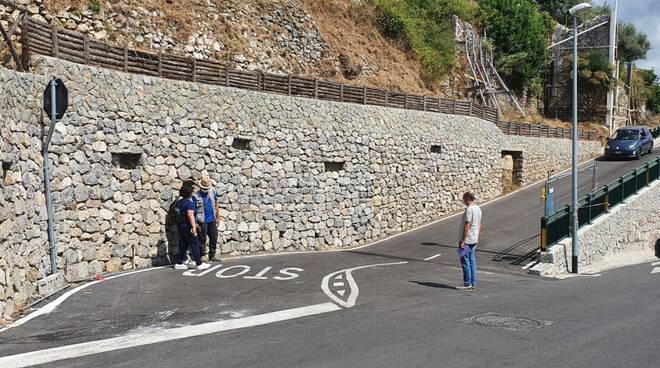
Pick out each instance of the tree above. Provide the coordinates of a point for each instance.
(519, 33)
(595, 78)
(557, 9)
(646, 89)
(632, 44)
(653, 103)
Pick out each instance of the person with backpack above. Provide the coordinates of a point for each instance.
(188, 229)
(209, 217)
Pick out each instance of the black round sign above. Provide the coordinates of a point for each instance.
(61, 99)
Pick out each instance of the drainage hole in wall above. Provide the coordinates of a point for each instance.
(436, 148)
(241, 144)
(6, 166)
(333, 166)
(126, 160)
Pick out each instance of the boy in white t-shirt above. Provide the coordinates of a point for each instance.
(468, 240)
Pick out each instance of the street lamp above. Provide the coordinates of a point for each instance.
(575, 11)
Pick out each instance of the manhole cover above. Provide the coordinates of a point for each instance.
(506, 322)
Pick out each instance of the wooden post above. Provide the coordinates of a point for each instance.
(453, 107)
(194, 69)
(160, 63)
(387, 93)
(56, 42)
(589, 204)
(10, 46)
(125, 59)
(364, 95)
(483, 112)
(607, 198)
(289, 84)
(424, 102)
(226, 75)
(25, 41)
(260, 81)
(470, 113)
(316, 89)
(341, 92)
(405, 101)
(86, 49)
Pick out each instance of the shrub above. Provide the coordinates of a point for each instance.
(95, 6)
(519, 32)
(425, 26)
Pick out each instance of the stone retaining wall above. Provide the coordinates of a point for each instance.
(271, 156)
(629, 234)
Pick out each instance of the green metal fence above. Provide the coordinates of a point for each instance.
(556, 227)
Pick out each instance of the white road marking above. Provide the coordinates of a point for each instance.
(209, 270)
(159, 336)
(655, 264)
(260, 275)
(589, 274)
(353, 288)
(338, 283)
(655, 270)
(341, 292)
(530, 264)
(221, 273)
(191, 272)
(55, 303)
(432, 257)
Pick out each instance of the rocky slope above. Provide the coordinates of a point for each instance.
(330, 39)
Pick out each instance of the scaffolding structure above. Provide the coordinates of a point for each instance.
(485, 82)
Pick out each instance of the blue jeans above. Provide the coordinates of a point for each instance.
(469, 264)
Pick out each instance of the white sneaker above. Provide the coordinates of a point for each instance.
(203, 266)
(180, 266)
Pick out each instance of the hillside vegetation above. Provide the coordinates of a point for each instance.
(392, 44)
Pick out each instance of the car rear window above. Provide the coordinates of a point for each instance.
(627, 134)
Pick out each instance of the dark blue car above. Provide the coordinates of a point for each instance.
(629, 142)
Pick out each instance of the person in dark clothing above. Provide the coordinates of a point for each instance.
(188, 230)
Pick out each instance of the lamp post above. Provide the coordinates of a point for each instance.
(574, 11)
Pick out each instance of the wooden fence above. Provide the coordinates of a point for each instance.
(535, 130)
(42, 39)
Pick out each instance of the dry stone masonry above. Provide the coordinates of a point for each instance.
(275, 36)
(293, 173)
(629, 234)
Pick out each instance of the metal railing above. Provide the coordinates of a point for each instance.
(556, 226)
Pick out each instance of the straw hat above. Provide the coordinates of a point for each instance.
(205, 184)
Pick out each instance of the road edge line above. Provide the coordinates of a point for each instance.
(130, 341)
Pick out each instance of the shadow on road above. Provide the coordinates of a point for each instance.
(433, 285)
(503, 255)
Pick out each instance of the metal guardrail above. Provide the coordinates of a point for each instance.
(43, 39)
(556, 226)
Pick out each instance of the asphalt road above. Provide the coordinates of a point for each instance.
(392, 304)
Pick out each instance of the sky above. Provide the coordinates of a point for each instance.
(645, 15)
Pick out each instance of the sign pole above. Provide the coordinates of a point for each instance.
(49, 204)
